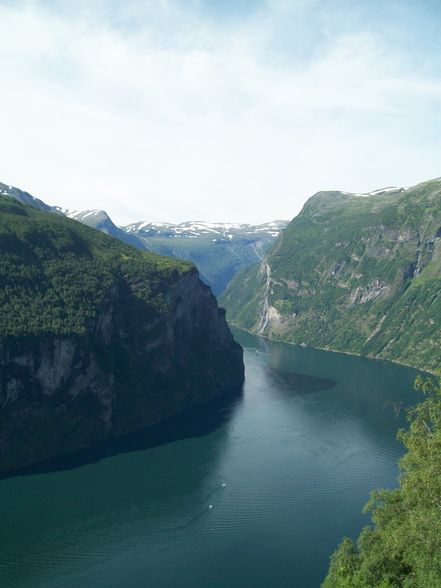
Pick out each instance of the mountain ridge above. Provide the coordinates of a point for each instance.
(197, 228)
(351, 274)
(99, 219)
(218, 249)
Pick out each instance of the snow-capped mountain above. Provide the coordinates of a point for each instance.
(193, 229)
(99, 219)
(219, 250)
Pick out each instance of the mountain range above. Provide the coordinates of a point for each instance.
(219, 250)
(358, 273)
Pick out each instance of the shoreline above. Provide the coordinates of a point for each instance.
(353, 354)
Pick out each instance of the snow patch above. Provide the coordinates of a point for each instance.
(193, 229)
(375, 192)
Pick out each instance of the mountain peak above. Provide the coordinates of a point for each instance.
(198, 228)
(89, 216)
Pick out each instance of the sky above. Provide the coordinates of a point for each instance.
(227, 110)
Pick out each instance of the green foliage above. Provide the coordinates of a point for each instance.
(354, 274)
(55, 273)
(403, 547)
(248, 291)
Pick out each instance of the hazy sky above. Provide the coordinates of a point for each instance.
(233, 110)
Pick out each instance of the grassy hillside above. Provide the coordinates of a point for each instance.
(352, 273)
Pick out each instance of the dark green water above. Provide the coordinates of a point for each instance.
(286, 469)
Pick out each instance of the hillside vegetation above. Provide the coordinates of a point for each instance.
(55, 273)
(402, 549)
(359, 274)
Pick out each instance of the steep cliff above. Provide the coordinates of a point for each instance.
(354, 273)
(98, 339)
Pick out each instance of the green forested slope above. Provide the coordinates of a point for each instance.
(55, 273)
(360, 274)
(402, 549)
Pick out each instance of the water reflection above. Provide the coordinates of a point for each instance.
(366, 386)
(131, 495)
(197, 422)
(297, 383)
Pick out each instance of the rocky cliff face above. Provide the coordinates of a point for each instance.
(153, 344)
(354, 273)
(63, 393)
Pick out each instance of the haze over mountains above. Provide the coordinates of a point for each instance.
(219, 250)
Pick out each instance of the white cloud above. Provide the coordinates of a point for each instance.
(180, 117)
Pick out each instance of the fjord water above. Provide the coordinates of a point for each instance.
(255, 491)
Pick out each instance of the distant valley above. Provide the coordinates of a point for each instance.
(219, 250)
